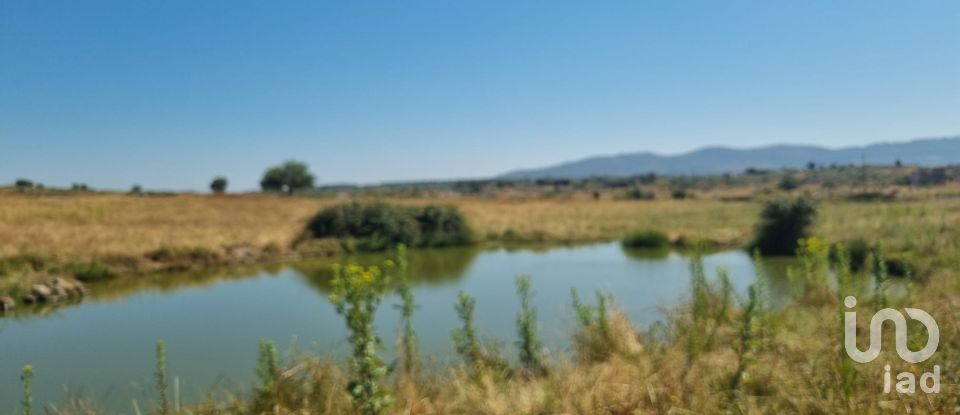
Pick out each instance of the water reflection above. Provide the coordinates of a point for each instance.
(645, 254)
(427, 267)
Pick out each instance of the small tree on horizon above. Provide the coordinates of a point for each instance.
(288, 177)
(23, 184)
(218, 185)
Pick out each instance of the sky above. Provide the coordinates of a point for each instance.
(170, 94)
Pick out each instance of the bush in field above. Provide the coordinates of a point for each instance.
(23, 183)
(442, 226)
(639, 194)
(378, 226)
(857, 251)
(288, 177)
(218, 185)
(783, 222)
(788, 183)
(646, 239)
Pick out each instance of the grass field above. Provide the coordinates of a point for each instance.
(91, 225)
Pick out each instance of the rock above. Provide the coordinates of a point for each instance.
(66, 288)
(7, 303)
(29, 299)
(41, 292)
(61, 288)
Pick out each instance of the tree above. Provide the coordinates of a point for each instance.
(287, 177)
(788, 183)
(218, 185)
(782, 223)
(23, 184)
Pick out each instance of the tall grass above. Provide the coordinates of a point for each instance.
(268, 371)
(26, 380)
(162, 382)
(408, 338)
(531, 355)
(480, 359)
(881, 278)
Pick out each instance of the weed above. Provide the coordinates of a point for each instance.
(479, 359)
(357, 292)
(408, 338)
(530, 347)
(160, 376)
(747, 335)
(26, 379)
(880, 278)
(267, 373)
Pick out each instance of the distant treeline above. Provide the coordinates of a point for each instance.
(294, 177)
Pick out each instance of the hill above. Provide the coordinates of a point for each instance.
(717, 160)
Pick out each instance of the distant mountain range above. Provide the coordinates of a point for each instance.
(716, 160)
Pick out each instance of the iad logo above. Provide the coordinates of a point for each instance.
(906, 381)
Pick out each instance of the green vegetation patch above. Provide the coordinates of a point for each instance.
(379, 226)
(783, 223)
(646, 239)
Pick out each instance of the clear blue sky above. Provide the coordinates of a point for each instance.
(168, 94)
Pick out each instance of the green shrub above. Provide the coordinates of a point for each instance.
(899, 266)
(857, 251)
(788, 183)
(23, 184)
(378, 226)
(442, 226)
(646, 239)
(680, 193)
(639, 194)
(89, 271)
(782, 224)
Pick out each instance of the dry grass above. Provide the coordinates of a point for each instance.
(93, 225)
(84, 226)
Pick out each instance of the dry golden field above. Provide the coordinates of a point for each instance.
(92, 225)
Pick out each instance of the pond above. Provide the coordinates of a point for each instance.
(103, 348)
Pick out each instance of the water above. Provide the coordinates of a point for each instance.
(103, 348)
